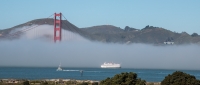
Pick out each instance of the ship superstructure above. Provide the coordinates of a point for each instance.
(110, 65)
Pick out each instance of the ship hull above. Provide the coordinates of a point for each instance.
(110, 65)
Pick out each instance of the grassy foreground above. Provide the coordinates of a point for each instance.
(56, 82)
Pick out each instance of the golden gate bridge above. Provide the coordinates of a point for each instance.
(57, 34)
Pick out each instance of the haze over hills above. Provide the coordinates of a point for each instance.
(113, 34)
(33, 52)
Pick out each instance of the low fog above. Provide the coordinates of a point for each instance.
(33, 49)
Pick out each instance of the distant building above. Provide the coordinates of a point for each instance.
(169, 43)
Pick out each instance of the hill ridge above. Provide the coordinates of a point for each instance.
(113, 34)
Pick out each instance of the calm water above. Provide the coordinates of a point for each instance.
(151, 75)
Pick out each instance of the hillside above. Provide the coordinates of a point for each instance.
(149, 34)
(66, 25)
(112, 34)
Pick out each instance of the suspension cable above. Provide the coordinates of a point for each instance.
(68, 26)
(27, 29)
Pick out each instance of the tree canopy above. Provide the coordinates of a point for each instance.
(180, 78)
(123, 79)
(194, 35)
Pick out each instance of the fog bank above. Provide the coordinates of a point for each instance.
(79, 52)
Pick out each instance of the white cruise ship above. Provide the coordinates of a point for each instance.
(110, 65)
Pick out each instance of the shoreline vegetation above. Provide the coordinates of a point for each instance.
(56, 82)
(176, 78)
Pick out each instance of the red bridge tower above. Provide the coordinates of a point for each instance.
(57, 26)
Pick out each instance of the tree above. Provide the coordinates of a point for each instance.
(123, 79)
(147, 26)
(180, 78)
(194, 35)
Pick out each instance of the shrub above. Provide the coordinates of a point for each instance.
(44, 83)
(123, 79)
(95, 83)
(26, 83)
(180, 78)
(84, 83)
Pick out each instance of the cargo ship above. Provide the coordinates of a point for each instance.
(110, 65)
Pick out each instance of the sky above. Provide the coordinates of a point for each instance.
(175, 15)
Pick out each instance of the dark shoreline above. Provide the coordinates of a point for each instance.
(56, 81)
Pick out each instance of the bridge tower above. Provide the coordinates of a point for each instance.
(57, 26)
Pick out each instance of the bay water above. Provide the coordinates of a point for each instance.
(97, 74)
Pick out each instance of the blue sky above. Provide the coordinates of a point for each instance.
(174, 15)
